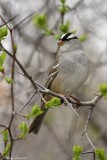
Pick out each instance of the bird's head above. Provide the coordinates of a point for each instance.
(66, 38)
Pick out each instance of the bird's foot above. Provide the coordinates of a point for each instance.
(77, 101)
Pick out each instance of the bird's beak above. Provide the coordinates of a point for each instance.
(60, 42)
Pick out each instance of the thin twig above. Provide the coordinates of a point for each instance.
(55, 94)
(23, 20)
(16, 139)
(12, 90)
(88, 152)
(13, 56)
(12, 86)
(86, 127)
(70, 105)
(92, 102)
(12, 76)
(20, 65)
(1, 125)
(9, 21)
(20, 115)
(68, 100)
(28, 101)
(11, 142)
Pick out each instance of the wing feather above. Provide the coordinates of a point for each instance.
(52, 74)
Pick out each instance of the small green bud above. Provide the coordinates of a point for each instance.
(15, 48)
(2, 69)
(35, 111)
(65, 27)
(6, 150)
(9, 80)
(100, 154)
(3, 33)
(23, 128)
(63, 9)
(40, 21)
(77, 150)
(2, 58)
(5, 135)
(103, 89)
(83, 38)
(54, 102)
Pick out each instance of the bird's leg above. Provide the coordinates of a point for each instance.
(77, 104)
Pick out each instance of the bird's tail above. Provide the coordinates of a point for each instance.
(37, 122)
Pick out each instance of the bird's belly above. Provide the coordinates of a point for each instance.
(70, 83)
(64, 83)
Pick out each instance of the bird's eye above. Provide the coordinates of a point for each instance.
(68, 37)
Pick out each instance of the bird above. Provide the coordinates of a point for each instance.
(67, 74)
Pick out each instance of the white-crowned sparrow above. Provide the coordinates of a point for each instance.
(68, 72)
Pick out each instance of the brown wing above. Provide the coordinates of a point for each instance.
(52, 74)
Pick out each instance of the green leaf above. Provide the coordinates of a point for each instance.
(6, 150)
(77, 150)
(35, 111)
(54, 102)
(9, 80)
(100, 154)
(2, 58)
(65, 27)
(103, 89)
(83, 38)
(5, 135)
(23, 128)
(40, 21)
(3, 33)
(63, 8)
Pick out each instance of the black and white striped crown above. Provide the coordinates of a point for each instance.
(68, 36)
